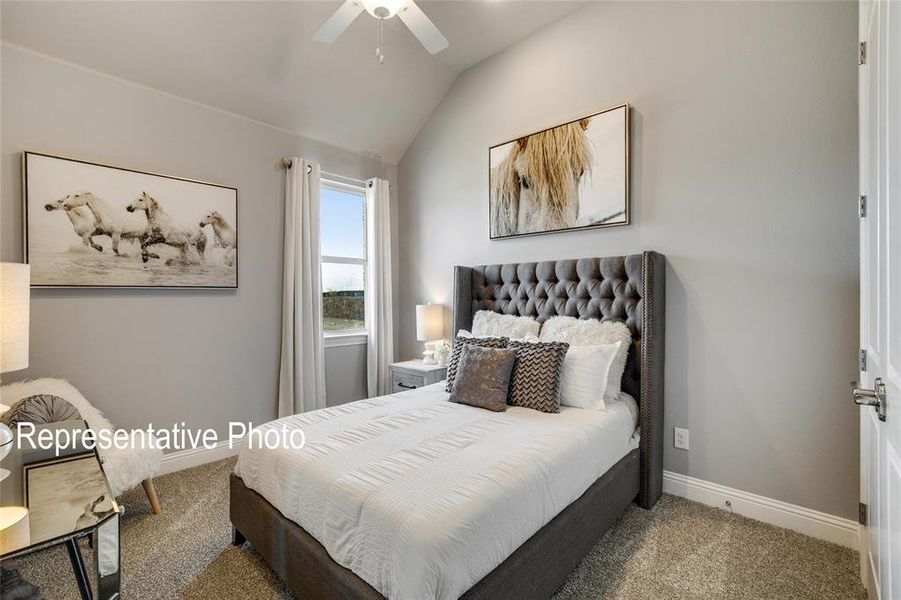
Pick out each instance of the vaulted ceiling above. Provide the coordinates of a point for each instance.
(258, 59)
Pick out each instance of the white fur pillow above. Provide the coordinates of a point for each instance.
(585, 374)
(487, 323)
(529, 337)
(591, 332)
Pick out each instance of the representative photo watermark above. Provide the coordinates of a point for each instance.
(168, 439)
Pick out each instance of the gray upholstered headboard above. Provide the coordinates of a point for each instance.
(623, 288)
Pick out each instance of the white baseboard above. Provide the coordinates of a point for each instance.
(193, 457)
(810, 522)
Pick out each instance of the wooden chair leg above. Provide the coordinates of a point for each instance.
(151, 495)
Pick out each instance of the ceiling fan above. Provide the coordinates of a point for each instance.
(412, 16)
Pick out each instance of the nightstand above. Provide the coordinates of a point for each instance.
(412, 374)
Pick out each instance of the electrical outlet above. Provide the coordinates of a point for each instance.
(680, 438)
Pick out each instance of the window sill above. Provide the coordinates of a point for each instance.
(356, 338)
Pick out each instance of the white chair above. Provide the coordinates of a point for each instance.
(125, 468)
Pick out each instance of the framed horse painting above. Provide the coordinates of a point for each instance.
(95, 225)
(570, 176)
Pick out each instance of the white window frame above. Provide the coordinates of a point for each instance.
(349, 337)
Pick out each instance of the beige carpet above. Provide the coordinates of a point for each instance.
(680, 550)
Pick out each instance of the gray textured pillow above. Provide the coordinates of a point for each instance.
(537, 375)
(40, 410)
(462, 342)
(483, 377)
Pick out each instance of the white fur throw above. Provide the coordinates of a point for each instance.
(591, 332)
(487, 323)
(124, 468)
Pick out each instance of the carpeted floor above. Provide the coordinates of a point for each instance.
(679, 550)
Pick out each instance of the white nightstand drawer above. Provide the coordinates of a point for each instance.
(412, 374)
(405, 381)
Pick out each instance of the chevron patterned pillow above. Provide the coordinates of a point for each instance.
(537, 375)
(459, 343)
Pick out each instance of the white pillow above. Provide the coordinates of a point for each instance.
(487, 323)
(585, 374)
(591, 332)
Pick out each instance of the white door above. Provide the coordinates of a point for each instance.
(880, 299)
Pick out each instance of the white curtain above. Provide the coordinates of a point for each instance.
(379, 308)
(301, 385)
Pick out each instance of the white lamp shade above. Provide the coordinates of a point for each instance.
(15, 532)
(15, 294)
(429, 322)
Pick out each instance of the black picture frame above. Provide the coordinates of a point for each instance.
(627, 202)
(29, 202)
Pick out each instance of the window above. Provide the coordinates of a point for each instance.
(343, 247)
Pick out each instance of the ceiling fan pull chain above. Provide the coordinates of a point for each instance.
(379, 40)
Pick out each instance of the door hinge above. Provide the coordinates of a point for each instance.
(862, 53)
(862, 207)
(862, 514)
(862, 360)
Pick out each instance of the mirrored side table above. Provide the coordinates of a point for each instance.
(48, 500)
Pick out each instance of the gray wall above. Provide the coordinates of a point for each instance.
(744, 174)
(345, 374)
(141, 356)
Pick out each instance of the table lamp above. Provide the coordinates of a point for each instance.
(15, 294)
(430, 329)
(15, 532)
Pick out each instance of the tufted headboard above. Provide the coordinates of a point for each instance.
(624, 288)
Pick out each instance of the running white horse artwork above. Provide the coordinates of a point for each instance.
(106, 222)
(82, 222)
(566, 177)
(161, 229)
(225, 235)
(126, 228)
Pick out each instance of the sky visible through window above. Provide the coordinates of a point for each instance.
(342, 234)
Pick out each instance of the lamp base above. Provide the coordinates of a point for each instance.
(428, 357)
(435, 353)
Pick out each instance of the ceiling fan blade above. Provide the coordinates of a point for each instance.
(423, 28)
(339, 21)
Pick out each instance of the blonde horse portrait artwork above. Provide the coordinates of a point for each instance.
(571, 176)
(94, 225)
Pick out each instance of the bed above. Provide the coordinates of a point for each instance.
(453, 501)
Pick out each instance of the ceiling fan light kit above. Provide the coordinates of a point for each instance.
(412, 16)
(383, 9)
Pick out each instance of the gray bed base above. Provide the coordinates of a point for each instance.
(535, 570)
(628, 288)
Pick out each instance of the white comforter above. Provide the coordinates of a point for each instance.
(421, 497)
